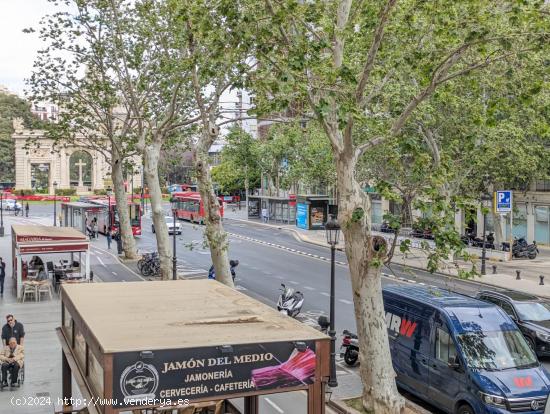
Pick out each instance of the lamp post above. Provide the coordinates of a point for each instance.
(332, 229)
(2, 213)
(109, 224)
(142, 186)
(174, 259)
(55, 203)
(484, 198)
(132, 186)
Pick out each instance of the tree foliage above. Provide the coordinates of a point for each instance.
(11, 107)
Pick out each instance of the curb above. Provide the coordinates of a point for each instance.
(342, 408)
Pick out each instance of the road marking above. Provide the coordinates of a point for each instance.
(100, 261)
(347, 302)
(293, 282)
(309, 288)
(324, 293)
(275, 406)
(115, 273)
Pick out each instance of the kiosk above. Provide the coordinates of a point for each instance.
(77, 214)
(35, 240)
(182, 343)
(312, 211)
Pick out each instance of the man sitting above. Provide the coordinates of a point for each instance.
(12, 360)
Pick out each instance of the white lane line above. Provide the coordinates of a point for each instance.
(293, 282)
(275, 406)
(309, 288)
(100, 261)
(347, 302)
(324, 293)
(115, 273)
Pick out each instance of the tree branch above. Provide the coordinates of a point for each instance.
(377, 40)
(342, 17)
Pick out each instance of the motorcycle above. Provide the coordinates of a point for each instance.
(471, 240)
(290, 301)
(520, 248)
(232, 265)
(349, 348)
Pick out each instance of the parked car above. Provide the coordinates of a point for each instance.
(530, 313)
(462, 355)
(170, 224)
(10, 204)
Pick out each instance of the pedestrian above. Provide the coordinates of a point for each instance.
(16, 208)
(13, 329)
(109, 238)
(11, 357)
(95, 228)
(2, 276)
(27, 209)
(264, 215)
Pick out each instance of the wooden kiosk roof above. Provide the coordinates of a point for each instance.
(28, 233)
(134, 316)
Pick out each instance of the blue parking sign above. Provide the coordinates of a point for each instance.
(503, 201)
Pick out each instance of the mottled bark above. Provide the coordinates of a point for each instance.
(128, 241)
(215, 233)
(365, 255)
(151, 160)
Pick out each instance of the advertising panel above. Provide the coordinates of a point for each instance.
(166, 376)
(301, 216)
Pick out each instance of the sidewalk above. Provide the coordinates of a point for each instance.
(505, 277)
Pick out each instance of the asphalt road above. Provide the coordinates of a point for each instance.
(263, 267)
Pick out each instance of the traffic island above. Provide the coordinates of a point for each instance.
(184, 344)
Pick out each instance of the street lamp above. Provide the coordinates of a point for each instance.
(174, 259)
(2, 213)
(484, 198)
(332, 229)
(109, 206)
(55, 203)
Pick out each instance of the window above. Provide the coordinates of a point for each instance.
(491, 299)
(507, 307)
(444, 346)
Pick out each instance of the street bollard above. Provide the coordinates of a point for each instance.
(541, 280)
(494, 269)
(517, 274)
(91, 276)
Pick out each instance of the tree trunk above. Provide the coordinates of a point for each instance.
(151, 159)
(215, 234)
(365, 255)
(128, 241)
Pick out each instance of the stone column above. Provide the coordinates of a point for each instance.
(530, 221)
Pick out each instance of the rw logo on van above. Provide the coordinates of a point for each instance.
(400, 325)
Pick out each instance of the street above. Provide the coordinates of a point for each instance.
(268, 257)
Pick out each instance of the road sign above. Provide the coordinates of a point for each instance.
(503, 201)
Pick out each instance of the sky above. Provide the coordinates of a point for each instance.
(17, 49)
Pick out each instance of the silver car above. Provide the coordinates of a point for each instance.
(170, 224)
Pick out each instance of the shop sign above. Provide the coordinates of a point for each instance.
(168, 376)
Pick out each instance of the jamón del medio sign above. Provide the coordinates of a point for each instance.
(212, 372)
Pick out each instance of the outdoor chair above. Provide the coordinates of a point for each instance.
(44, 287)
(29, 289)
(50, 268)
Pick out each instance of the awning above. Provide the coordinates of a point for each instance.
(48, 239)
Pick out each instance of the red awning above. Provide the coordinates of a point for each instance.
(48, 239)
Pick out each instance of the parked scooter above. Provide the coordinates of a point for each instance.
(290, 301)
(520, 248)
(349, 348)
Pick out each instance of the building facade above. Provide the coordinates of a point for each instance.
(39, 164)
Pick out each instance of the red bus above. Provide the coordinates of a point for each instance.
(189, 206)
(109, 216)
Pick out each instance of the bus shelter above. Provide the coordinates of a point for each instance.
(182, 344)
(31, 240)
(280, 209)
(79, 214)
